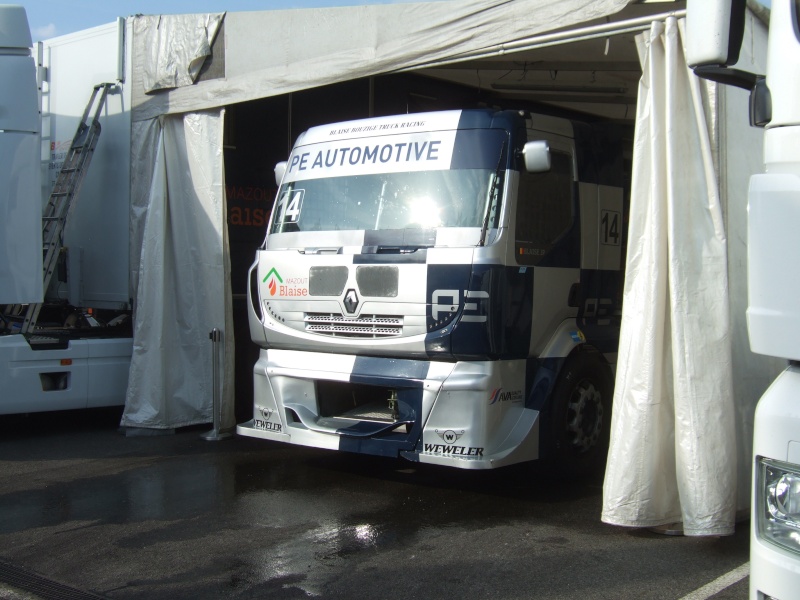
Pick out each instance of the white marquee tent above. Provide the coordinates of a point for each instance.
(687, 383)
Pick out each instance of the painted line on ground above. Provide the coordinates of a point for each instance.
(720, 583)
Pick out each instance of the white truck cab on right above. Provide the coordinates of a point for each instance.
(714, 31)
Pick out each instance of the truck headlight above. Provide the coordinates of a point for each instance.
(778, 504)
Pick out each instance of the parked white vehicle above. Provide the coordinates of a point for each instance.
(75, 353)
(773, 314)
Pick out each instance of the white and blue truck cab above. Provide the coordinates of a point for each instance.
(444, 287)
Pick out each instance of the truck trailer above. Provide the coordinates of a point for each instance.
(443, 287)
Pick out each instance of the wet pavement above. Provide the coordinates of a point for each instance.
(179, 517)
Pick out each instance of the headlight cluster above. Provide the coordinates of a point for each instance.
(779, 504)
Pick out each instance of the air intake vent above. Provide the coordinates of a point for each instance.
(365, 326)
(327, 281)
(379, 282)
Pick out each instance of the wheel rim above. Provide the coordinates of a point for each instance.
(585, 416)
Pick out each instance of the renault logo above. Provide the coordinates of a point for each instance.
(351, 301)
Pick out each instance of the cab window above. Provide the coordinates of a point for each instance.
(544, 209)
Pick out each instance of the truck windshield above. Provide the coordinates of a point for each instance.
(419, 199)
(424, 180)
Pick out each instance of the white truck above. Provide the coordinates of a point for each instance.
(444, 287)
(773, 314)
(75, 351)
(20, 129)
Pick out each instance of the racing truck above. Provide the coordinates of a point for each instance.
(444, 287)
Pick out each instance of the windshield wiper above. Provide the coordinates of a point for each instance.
(494, 195)
(380, 204)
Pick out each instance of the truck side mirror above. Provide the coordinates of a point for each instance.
(714, 31)
(280, 169)
(537, 156)
(714, 34)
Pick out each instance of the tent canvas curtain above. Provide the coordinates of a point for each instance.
(673, 445)
(182, 276)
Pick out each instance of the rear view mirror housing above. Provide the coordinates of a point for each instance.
(537, 156)
(714, 34)
(714, 31)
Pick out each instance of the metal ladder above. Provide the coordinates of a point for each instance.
(65, 191)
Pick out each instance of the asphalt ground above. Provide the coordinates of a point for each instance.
(88, 512)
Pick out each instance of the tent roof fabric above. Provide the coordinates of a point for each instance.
(268, 53)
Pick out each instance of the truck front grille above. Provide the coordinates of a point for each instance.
(365, 326)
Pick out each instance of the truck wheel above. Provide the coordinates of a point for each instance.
(581, 422)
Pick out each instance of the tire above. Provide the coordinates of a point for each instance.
(580, 426)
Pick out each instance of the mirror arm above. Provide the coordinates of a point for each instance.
(728, 76)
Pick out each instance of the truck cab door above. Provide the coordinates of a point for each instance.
(547, 240)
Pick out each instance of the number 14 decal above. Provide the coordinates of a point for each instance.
(290, 205)
(609, 228)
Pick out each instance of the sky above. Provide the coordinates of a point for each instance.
(50, 18)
